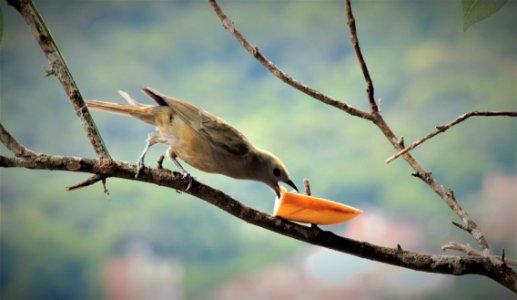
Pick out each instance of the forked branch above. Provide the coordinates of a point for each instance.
(290, 80)
(443, 128)
(59, 68)
(447, 195)
(468, 250)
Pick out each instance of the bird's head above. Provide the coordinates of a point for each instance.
(272, 171)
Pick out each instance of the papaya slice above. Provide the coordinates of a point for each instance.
(307, 209)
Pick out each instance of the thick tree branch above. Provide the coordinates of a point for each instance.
(443, 128)
(59, 68)
(255, 52)
(444, 264)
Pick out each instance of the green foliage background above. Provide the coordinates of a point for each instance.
(425, 68)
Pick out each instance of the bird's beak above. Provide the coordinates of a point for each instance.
(276, 187)
(291, 184)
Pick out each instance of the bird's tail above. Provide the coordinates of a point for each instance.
(142, 112)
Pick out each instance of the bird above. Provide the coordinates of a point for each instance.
(199, 138)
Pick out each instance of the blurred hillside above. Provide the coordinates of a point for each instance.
(62, 245)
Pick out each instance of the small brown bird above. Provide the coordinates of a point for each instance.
(200, 139)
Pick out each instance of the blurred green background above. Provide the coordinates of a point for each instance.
(73, 245)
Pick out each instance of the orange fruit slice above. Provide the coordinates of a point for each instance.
(307, 209)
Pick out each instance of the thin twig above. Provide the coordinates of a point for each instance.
(307, 186)
(468, 250)
(13, 145)
(105, 188)
(95, 178)
(443, 128)
(462, 227)
(159, 163)
(360, 58)
(255, 52)
(59, 68)
(308, 192)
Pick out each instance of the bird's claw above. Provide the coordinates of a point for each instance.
(139, 168)
(315, 226)
(190, 179)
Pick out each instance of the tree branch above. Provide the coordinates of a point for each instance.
(443, 128)
(446, 194)
(13, 145)
(59, 68)
(95, 178)
(360, 58)
(483, 265)
(468, 250)
(255, 52)
(444, 264)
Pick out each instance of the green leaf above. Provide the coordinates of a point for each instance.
(477, 10)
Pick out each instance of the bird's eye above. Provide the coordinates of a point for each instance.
(276, 172)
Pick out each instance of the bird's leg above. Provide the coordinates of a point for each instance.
(182, 170)
(140, 163)
(172, 156)
(152, 139)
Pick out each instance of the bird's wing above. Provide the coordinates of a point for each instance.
(221, 134)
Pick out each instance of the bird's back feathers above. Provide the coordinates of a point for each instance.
(221, 134)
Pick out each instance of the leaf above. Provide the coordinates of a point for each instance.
(477, 10)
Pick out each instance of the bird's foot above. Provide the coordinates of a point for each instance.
(182, 170)
(186, 175)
